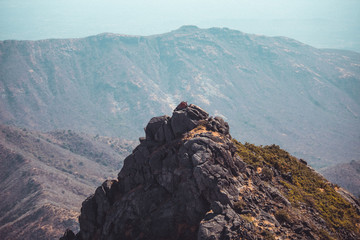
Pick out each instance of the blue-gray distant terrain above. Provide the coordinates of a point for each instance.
(269, 89)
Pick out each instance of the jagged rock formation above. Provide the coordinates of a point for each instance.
(186, 180)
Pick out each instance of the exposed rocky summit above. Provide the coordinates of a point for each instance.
(186, 180)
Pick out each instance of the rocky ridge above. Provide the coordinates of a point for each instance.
(186, 180)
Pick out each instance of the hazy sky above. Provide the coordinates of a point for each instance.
(321, 23)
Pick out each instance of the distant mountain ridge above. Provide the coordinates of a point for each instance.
(45, 176)
(347, 175)
(272, 90)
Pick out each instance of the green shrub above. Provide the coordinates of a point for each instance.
(324, 235)
(267, 235)
(247, 217)
(239, 205)
(267, 174)
(282, 216)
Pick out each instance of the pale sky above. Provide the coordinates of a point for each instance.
(320, 23)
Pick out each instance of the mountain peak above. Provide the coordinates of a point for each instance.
(184, 119)
(186, 180)
(188, 28)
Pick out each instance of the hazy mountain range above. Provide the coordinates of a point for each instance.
(44, 177)
(270, 89)
(347, 175)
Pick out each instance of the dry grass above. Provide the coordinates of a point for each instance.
(199, 130)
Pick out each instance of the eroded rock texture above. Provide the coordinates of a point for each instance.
(185, 181)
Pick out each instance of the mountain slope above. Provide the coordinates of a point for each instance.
(188, 179)
(44, 177)
(347, 175)
(272, 90)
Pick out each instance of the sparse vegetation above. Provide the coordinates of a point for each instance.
(35, 163)
(267, 174)
(66, 171)
(267, 235)
(19, 158)
(282, 216)
(306, 186)
(239, 205)
(247, 217)
(324, 235)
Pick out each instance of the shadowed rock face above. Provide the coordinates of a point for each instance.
(185, 181)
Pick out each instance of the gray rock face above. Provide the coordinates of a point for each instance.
(185, 181)
(163, 190)
(154, 126)
(169, 183)
(186, 119)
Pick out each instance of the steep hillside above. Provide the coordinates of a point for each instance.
(347, 175)
(188, 179)
(45, 176)
(272, 90)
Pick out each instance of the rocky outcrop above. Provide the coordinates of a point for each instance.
(186, 181)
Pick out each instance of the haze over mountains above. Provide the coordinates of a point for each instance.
(44, 177)
(271, 90)
(347, 175)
